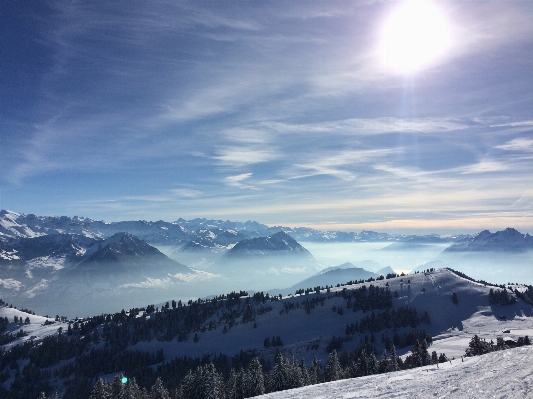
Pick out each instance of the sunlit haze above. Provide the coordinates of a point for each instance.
(393, 116)
(414, 36)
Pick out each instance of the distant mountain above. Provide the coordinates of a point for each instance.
(409, 243)
(182, 233)
(335, 275)
(306, 234)
(70, 246)
(78, 273)
(277, 244)
(17, 225)
(508, 240)
(125, 251)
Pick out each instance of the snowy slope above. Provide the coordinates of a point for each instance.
(505, 374)
(307, 335)
(36, 330)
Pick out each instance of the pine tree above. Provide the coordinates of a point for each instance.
(255, 379)
(425, 358)
(101, 390)
(362, 365)
(117, 387)
(232, 385)
(383, 365)
(373, 366)
(333, 370)
(212, 383)
(393, 360)
(279, 379)
(314, 372)
(306, 380)
(132, 390)
(158, 391)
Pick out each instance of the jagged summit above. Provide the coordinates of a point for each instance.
(508, 240)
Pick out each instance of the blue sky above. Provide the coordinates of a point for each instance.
(281, 112)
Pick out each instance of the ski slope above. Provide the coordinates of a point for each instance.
(505, 374)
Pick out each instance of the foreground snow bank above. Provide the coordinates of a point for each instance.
(505, 374)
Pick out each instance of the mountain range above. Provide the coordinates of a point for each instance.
(80, 263)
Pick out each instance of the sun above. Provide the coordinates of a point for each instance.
(415, 36)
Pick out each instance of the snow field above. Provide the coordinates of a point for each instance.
(505, 374)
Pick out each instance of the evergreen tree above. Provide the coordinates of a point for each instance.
(212, 383)
(234, 389)
(373, 367)
(158, 391)
(314, 372)
(306, 380)
(280, 378)
(362, 365)
(393, 361)
(434, 357)
(132, 390)
(478, 347)
(425, 358)
(255, 379)
(117, 387)
(101, 390)
(383, 365)
(333, 370)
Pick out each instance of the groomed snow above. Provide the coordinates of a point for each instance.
(505, 374)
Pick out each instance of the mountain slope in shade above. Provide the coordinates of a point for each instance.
(508, 240)
(71, 246)
(277, 244)
(334, 277)
(126, 252)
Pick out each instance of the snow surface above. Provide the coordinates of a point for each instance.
(452, 326)
(504, 374)
(36, 330)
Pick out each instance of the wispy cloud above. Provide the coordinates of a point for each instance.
(382, 125)
(186, 192)
(518, 144)
(484, 167)
(341, 164)
(237, 180)
(238, 156)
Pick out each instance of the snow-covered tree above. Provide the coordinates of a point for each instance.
(314, 372)
(158, 391)
(393, 360)
(255, 384)
(333, 369)
(101, 390)
(383, 365)
(306, 380)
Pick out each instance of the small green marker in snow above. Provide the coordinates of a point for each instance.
(124, 380)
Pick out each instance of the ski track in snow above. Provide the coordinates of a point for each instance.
(505, 374)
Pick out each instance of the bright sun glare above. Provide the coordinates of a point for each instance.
(415, 35)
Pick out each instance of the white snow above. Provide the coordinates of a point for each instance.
(54, 262)
(36, 330)
(504, 374)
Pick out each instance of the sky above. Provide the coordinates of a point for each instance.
(391, 116)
